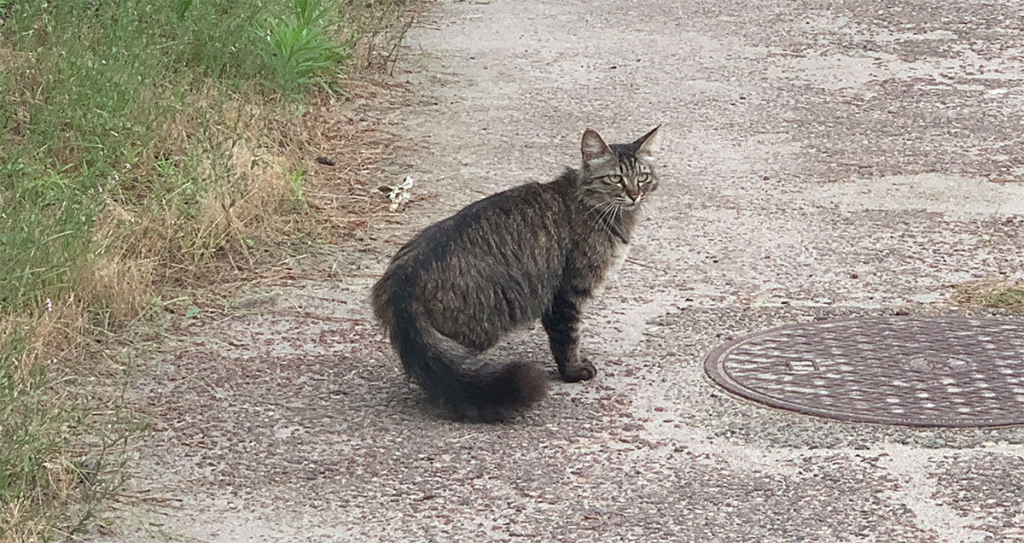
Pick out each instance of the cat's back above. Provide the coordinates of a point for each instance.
(507, 249)
(506, 208)
(506, 226)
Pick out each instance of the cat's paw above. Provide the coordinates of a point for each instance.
(582, 371)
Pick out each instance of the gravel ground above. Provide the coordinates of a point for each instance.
(821, 159)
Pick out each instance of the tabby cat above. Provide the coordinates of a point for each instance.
(533, 251)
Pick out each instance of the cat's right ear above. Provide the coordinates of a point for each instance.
(594, 148)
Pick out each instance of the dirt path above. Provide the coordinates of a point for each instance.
(819, 158)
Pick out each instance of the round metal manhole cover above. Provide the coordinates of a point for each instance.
(934, 371)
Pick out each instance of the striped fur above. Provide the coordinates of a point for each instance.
(536, 251)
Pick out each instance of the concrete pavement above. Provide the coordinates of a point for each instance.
(821, 159)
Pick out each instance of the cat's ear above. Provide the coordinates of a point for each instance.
(594, 148)
(648, 143)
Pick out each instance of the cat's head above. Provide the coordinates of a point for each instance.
(619, 174)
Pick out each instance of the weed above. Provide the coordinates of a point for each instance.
(297, 185)
(1008, 298)
(299, 49)
(997, 294)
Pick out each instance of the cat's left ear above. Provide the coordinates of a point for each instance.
(648, 143)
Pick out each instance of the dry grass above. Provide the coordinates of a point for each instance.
(45, 425)
(345, 195)
(996, 294)
(223, 189)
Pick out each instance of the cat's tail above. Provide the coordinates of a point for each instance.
(472, 389)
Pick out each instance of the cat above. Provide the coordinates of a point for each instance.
(536, 251)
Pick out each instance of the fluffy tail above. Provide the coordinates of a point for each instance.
(471, 389)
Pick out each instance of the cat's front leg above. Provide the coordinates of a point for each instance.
(562, 323)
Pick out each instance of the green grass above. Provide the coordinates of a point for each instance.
(996, 294)
(298, 49)
(137, 140)
(1008, 298)
(92, 95)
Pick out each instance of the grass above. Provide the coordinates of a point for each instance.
(139, 141)
(1007, 295)
(298, 49)
(64, 440)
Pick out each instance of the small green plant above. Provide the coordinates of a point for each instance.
(181, 8)
(296, 182)
(995, 294)
(1007, 298)
(299, 50)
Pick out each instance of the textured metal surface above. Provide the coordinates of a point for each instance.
(938, 371)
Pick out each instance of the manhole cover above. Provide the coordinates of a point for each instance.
(941, 371)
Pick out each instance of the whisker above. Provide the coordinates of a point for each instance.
(594, 209)
(607, 209)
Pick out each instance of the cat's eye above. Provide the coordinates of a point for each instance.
(613, 179)
(643, 178)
